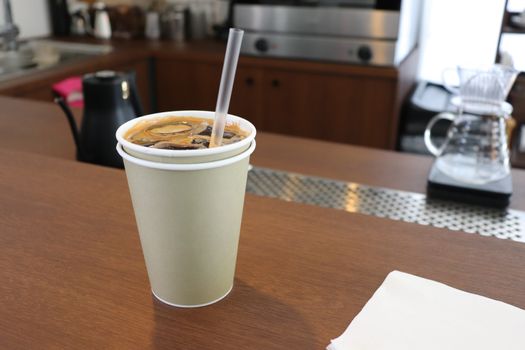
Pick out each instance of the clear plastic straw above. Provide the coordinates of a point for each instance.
(229, 68)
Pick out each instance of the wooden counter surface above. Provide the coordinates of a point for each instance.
(125, 51)
(24, 125)
(73, 276)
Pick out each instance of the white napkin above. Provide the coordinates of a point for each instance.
(413, 313)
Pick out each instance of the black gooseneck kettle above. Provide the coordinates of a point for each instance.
(110, 99)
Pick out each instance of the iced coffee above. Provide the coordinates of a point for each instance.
(180, 133)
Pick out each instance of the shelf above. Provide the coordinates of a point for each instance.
(508, 26)
(512, 30)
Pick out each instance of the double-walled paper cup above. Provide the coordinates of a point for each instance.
(188, 214)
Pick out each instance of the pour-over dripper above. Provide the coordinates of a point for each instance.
(489, 84)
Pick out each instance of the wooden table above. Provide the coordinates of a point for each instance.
(73, 275)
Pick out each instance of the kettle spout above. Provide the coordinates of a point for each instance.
(72, 123)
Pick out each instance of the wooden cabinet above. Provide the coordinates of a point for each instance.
(247, 95)
(343, 103)
(516, 35)
(186, 85)
(517, 99)
(194, 85)
(326, 106)
(354, 104)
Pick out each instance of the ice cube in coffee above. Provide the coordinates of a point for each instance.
(180, 133)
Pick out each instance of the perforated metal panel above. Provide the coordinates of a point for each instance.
(387, 203)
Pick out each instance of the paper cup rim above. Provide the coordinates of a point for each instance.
(185, 153)
(186, 166)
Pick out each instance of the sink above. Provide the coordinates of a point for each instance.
(37, 55)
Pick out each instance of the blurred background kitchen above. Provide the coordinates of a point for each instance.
(362, 72)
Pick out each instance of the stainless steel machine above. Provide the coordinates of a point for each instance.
(374, 32)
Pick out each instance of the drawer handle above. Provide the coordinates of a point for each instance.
(276, 83)
(249, 81)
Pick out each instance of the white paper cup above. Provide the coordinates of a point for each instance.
(186, 156)
(189, 218)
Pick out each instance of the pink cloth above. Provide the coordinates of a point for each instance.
(70, 89)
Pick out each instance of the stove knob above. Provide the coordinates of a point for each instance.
(261, 45)
(364, 53)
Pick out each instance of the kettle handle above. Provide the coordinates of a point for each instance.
(436, 151)
(72, 123)
(134, 95)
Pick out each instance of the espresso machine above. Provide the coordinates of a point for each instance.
(371, 32)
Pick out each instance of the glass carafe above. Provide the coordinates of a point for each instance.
(475, 150)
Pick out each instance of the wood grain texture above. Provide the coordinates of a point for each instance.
(247, 94)
(185, 85)
(36, 127)
(319, 158)
(330, 107)
(73, 275)
(355, 104)
(293, 99)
